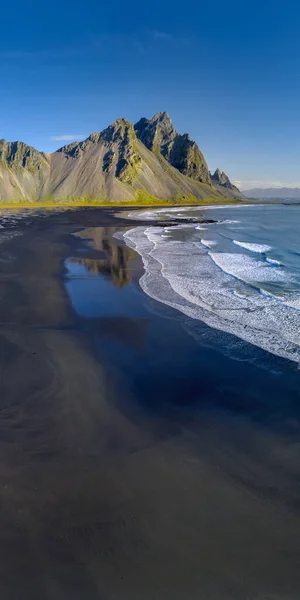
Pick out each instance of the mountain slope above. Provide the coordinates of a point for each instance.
(122, 163)
(159, 135)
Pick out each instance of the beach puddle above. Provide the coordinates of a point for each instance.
(99, 280)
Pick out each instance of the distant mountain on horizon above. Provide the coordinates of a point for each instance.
(125, 162)
(273, 193)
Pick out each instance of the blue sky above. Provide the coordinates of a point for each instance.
(227, 73)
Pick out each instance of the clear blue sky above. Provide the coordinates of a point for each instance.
(227, 73)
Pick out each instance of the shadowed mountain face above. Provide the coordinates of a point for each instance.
(122, 163)
(159, 135)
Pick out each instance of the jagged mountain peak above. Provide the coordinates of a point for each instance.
(158, 117)
(155, 132)
(161, 116)
(217, 173)
(221, 178)
(116, 147)
(18, 154)
(118, 130)
(114, 133)
(221, 181)
(159, 135)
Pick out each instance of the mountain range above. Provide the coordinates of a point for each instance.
(283, 193)
(125, 162)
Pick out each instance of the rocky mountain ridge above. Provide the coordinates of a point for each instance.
(123, 162)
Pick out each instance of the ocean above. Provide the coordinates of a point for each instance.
(239, 274)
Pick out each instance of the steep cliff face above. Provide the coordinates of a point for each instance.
(159, 135)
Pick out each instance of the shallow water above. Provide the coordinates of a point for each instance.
(240, 274)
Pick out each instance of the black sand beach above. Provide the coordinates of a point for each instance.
(135, 463)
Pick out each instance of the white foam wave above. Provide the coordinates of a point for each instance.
(230, 222)
(228, 206)
(197, 283)
(154, 213)
(239, 295)
(293, 301)
(209, 243)
(273, 261)
(247, 269)
(258, 248)
(269, 294)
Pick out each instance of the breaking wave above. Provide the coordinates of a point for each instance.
(258, 248)
(254, 298)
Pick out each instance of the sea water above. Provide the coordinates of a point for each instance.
(239, 274)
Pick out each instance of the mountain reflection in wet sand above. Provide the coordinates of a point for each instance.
(119, 261)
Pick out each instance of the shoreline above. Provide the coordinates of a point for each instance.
(214, 282)
(132, 465)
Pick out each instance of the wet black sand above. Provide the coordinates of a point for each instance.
(135, 463)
